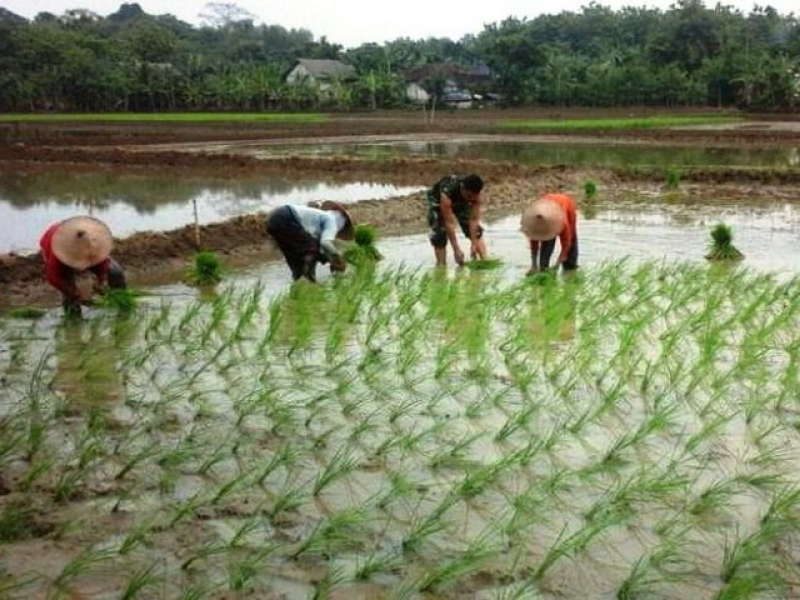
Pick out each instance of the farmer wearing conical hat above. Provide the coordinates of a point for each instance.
(456, 199)
(551, 216)
(306, 234)
(74, 246)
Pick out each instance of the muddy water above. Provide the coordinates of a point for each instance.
(131, 203)
(768, 235)
(607, 155)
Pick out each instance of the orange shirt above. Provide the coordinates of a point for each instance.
(570, 231)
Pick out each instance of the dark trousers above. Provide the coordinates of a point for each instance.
(546, 251)
(116, 280)
(301, 251)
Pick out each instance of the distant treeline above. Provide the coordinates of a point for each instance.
(129, 60)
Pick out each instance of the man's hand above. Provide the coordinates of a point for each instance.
(459, 256)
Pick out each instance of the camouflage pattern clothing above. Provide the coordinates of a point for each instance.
(450, 185)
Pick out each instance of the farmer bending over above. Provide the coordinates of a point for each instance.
(551, 216)
(456, 198)
(74, 246)
(305, 236)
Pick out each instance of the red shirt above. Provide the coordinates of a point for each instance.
(59, 275)
(570, 231)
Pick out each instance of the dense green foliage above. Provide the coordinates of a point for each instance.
(689, 54)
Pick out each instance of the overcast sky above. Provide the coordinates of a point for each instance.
(352, 22)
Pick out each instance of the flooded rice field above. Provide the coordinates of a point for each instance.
(401, 432)
(581, 154)
(626, 432)
(131, 203)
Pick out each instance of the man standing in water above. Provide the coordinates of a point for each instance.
(305, 236)
(551, 216)
(74, 246)
(456, 199)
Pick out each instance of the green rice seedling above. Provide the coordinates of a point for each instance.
(364, 250)
(243, 570)
(139, 581)
(288, 500)
(27, 312)
(123, 300)
(574, 543)
(653, 570)
(480, 550)
(207, 269)
(203, 551)
(334, 576)
(338, 466)
(377, 562)
(673, 178)
(589, 189)
(714, 497)
(338, 532)
(455, 454)
(721, 247)
(483, 264)
(421, 530)
(80, 565)
(284, 456)
(232, 485)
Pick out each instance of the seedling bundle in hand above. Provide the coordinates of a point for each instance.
(364, 250)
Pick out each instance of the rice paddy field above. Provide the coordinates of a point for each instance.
(627, 432)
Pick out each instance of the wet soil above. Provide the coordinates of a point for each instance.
(768, 129)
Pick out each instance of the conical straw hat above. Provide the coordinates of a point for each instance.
(348, 232)
(543, 220)
(82, 242)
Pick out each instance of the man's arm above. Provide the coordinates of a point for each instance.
(330, 229)
(474, 227)
(446, 206)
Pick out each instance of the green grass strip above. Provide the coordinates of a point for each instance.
(169, 117)
(627, 123)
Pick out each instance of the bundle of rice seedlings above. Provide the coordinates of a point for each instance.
(483, 264)
(207, 269)
(364, 249)
(26, 312)
(121, 299)
(722, 247)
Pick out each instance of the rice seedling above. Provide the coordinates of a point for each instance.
(721, 247)
(589, 189)
(82, 564)
(483, 264)
(667, 410)
(673, 178)
(27, 312)
(207, 269)
(141, 580)
(123, 300)
(364, 251)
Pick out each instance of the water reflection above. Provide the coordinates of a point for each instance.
(131, 203)
(607, 155)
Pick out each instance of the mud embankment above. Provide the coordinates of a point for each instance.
(401, 170)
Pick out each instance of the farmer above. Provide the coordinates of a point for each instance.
(551, 216)
(305, 235)
(75, 246)
(456, 198)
